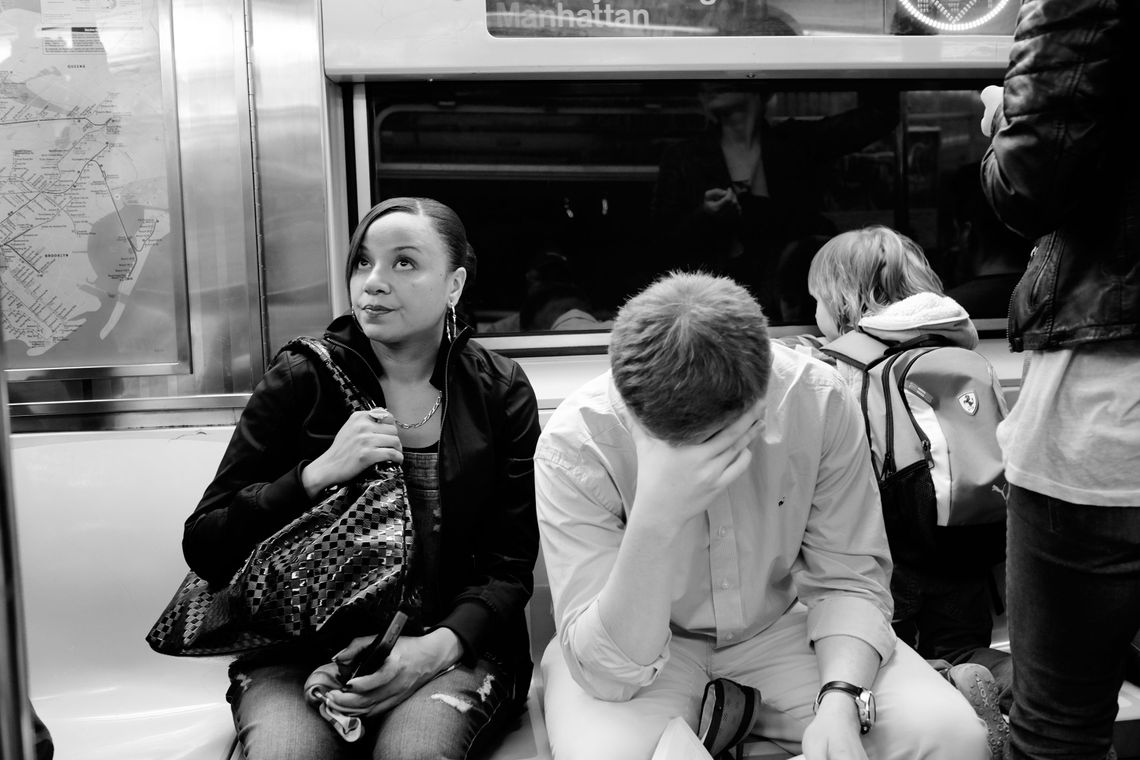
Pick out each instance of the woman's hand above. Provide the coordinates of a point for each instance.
(365, 439)
(414, 661)
(834, 733)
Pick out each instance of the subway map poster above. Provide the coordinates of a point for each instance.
(92, 275)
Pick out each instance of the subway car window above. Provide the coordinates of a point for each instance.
(577, 194)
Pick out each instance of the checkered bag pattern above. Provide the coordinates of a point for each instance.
(346, 557)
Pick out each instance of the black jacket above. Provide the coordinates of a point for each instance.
(1064, 167)
(489, 533)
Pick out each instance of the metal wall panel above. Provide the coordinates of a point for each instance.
(292, 137)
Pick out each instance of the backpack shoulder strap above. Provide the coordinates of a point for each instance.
(926, 340)
(319, 350)
(858, 349)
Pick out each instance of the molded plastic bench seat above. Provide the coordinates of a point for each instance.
(99, 518)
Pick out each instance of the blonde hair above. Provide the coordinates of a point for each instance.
(861, 272)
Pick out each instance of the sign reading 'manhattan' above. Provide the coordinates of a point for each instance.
(706, 18)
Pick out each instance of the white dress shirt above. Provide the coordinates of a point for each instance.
(804, 522)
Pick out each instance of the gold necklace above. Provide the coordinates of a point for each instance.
(428, 416)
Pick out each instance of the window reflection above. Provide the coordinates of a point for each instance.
(577, 194)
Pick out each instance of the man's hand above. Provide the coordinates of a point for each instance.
(675, 483)
(834, 733)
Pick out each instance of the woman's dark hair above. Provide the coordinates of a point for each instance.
(445, 222)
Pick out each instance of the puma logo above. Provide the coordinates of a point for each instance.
(1002, 490)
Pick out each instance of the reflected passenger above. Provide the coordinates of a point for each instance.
(745, 196)
(463, 422)
(994, 255)
(708, 511)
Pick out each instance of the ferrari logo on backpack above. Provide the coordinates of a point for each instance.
(969, 402)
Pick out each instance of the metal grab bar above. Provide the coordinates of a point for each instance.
(15, 713)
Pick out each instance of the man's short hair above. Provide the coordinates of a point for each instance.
(689, 353)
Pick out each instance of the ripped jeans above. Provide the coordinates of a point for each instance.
(446, 718)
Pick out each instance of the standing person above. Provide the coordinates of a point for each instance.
(463, 421)
(1064, 168)
(708, 510)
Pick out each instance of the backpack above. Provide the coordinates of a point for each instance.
(931, 411)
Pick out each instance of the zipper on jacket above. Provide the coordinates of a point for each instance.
(442, 409)
(889, 443)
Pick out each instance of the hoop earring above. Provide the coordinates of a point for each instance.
(449, 323)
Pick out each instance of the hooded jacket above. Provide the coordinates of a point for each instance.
(921, 314)
(1064, 167)
(489, 534)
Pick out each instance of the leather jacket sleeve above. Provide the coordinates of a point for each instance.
(257, 488)
(1050, 139)
(506, 547)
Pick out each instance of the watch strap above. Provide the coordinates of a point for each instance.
(843, 686)
(864, 701)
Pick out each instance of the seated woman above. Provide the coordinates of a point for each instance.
(463, 422)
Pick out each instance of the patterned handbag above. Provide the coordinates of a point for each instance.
(345, 559)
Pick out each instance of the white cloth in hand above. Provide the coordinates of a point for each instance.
(320, 683)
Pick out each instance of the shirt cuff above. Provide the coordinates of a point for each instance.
(599, 665)
(851, 616)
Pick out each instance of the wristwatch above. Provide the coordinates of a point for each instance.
(864, 701)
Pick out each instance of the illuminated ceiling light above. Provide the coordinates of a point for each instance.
(955, 10)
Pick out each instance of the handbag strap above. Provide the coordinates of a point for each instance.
(356, 400)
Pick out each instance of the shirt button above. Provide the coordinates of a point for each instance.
(729, 636)
(722, 532)
(724, 583)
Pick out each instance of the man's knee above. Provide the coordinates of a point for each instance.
(940, 725)
(625, 742)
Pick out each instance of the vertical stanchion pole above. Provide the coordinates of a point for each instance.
(15, 717)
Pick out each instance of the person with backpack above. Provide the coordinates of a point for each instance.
(931, 405)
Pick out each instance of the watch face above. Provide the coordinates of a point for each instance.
(866, 710)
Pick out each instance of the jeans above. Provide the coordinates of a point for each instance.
(942, 618)
(1073, 577)
(446, 718)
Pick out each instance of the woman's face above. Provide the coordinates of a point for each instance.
(399, 286)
